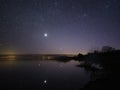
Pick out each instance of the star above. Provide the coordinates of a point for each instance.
(84, 15)
(73, 7)
(45, 81)
(107, 6)
(45, 34)
(56, 3)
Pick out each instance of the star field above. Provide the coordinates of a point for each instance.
(58, 26)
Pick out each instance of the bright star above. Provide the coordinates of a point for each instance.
(45, 34)
(45, 81)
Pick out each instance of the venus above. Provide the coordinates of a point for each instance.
(45, 34)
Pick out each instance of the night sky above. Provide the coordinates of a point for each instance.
(58, 26)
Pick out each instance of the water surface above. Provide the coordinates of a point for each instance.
(42, 75)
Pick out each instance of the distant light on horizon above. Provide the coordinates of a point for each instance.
(10, 52)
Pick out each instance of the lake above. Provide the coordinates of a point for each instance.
(42, 75)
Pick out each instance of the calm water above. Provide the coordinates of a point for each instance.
(42, 75)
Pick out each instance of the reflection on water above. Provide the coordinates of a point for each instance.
(41, 74)
(47, 57)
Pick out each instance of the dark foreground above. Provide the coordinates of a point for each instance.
(104, 68)
(94, 71)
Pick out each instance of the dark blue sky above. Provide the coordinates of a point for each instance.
(72, 26)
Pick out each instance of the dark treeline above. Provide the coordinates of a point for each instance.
(104, 68)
